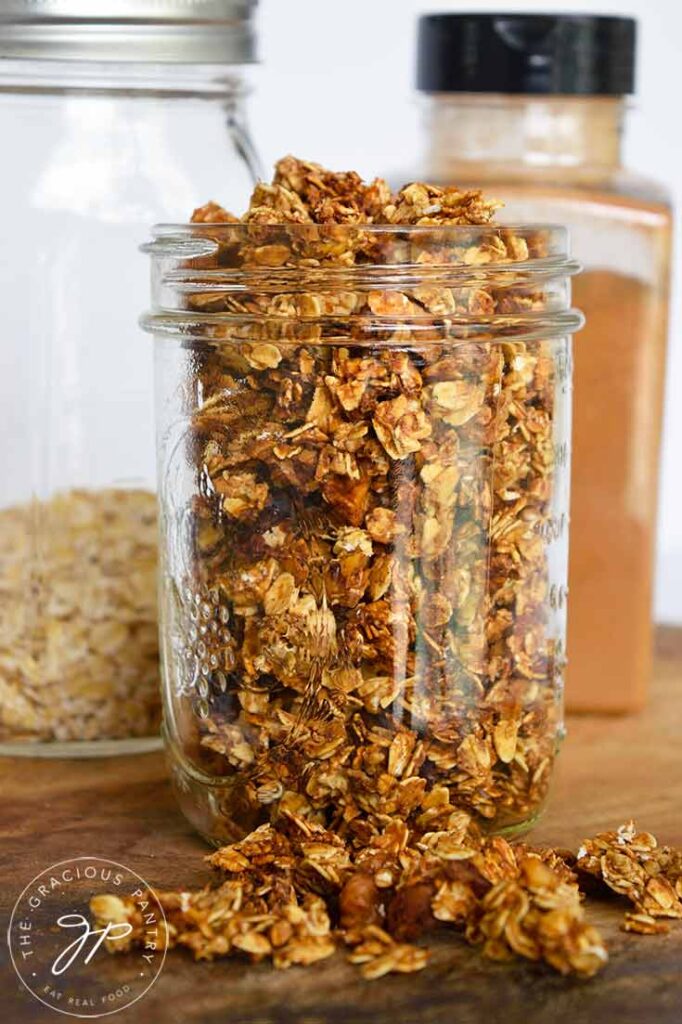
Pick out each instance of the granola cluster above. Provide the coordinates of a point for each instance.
(78, 631)
(363, 597)
(632, 864)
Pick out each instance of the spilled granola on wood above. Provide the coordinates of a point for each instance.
(295, 892)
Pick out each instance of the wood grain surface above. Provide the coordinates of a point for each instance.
(609, 770)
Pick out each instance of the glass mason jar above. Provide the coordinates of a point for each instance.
(533, 108)
(363, 486)
(116, 118)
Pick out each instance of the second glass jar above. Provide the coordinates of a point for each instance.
(363, 480)
(110, 118)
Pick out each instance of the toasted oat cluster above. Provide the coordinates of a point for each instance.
(78, 632)
(366, 604)
(295, 892)
(306, 193)
(632, 864)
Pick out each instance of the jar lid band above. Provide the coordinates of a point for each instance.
(130, 31)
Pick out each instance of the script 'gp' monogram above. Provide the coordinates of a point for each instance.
(59, 942)
(113, 932)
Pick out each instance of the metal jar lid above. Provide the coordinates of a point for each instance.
(143, 31)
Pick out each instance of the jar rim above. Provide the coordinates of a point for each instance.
(210, 278)
(169, 230)
(200, 240)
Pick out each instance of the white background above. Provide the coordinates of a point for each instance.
(336, 86)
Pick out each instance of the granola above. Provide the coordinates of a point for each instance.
(632, 864)
(78, 633)
(363, 592)
(295, 892)
(538, 916)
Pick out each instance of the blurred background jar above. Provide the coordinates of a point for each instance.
(532, 108)
(120, 114)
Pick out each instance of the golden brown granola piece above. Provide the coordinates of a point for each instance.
(539, 917)
(107, 908)
(265, 848)
(401, 425)
(332, 197)
(418, 203)
(379, 954)
(213, 213)
(644, 924)
(560, 860)
(242, 496)
(632, 864)
(275, 204)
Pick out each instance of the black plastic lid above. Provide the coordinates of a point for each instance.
(568, 54)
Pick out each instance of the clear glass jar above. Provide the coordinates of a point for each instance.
(559, 158)
(100, 148)
(363, 449)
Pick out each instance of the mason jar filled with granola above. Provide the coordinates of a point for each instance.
(118, 116)
(363, 406)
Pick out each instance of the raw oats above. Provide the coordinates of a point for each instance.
(78, 640)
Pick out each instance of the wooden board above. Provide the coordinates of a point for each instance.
(610, 769)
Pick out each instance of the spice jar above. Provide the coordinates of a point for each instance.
(533, 107)
(120, 115)
(363, 448)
